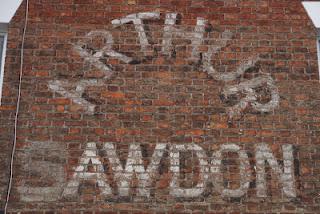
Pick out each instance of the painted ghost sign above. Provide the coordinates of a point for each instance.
(247, 87)
(136, 177)
(209, 170)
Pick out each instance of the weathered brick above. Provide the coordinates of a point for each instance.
(214, 101)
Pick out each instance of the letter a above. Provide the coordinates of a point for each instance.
(81, 173)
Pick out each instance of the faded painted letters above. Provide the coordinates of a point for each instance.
(247, 87)
(209, 170)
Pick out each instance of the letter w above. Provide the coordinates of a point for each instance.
(134, 165)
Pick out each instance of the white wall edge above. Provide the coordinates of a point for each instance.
(7, 9)
(313, 10)
(3, 62)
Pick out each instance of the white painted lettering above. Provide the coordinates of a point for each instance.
(178, 191)
(285, 174)
(137, 20)
(134, 165)
(89, 156)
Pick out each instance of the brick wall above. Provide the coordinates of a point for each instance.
(166, 106)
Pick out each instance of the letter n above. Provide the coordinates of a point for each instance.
(285, 173)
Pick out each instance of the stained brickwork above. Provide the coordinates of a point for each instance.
(166, 106)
